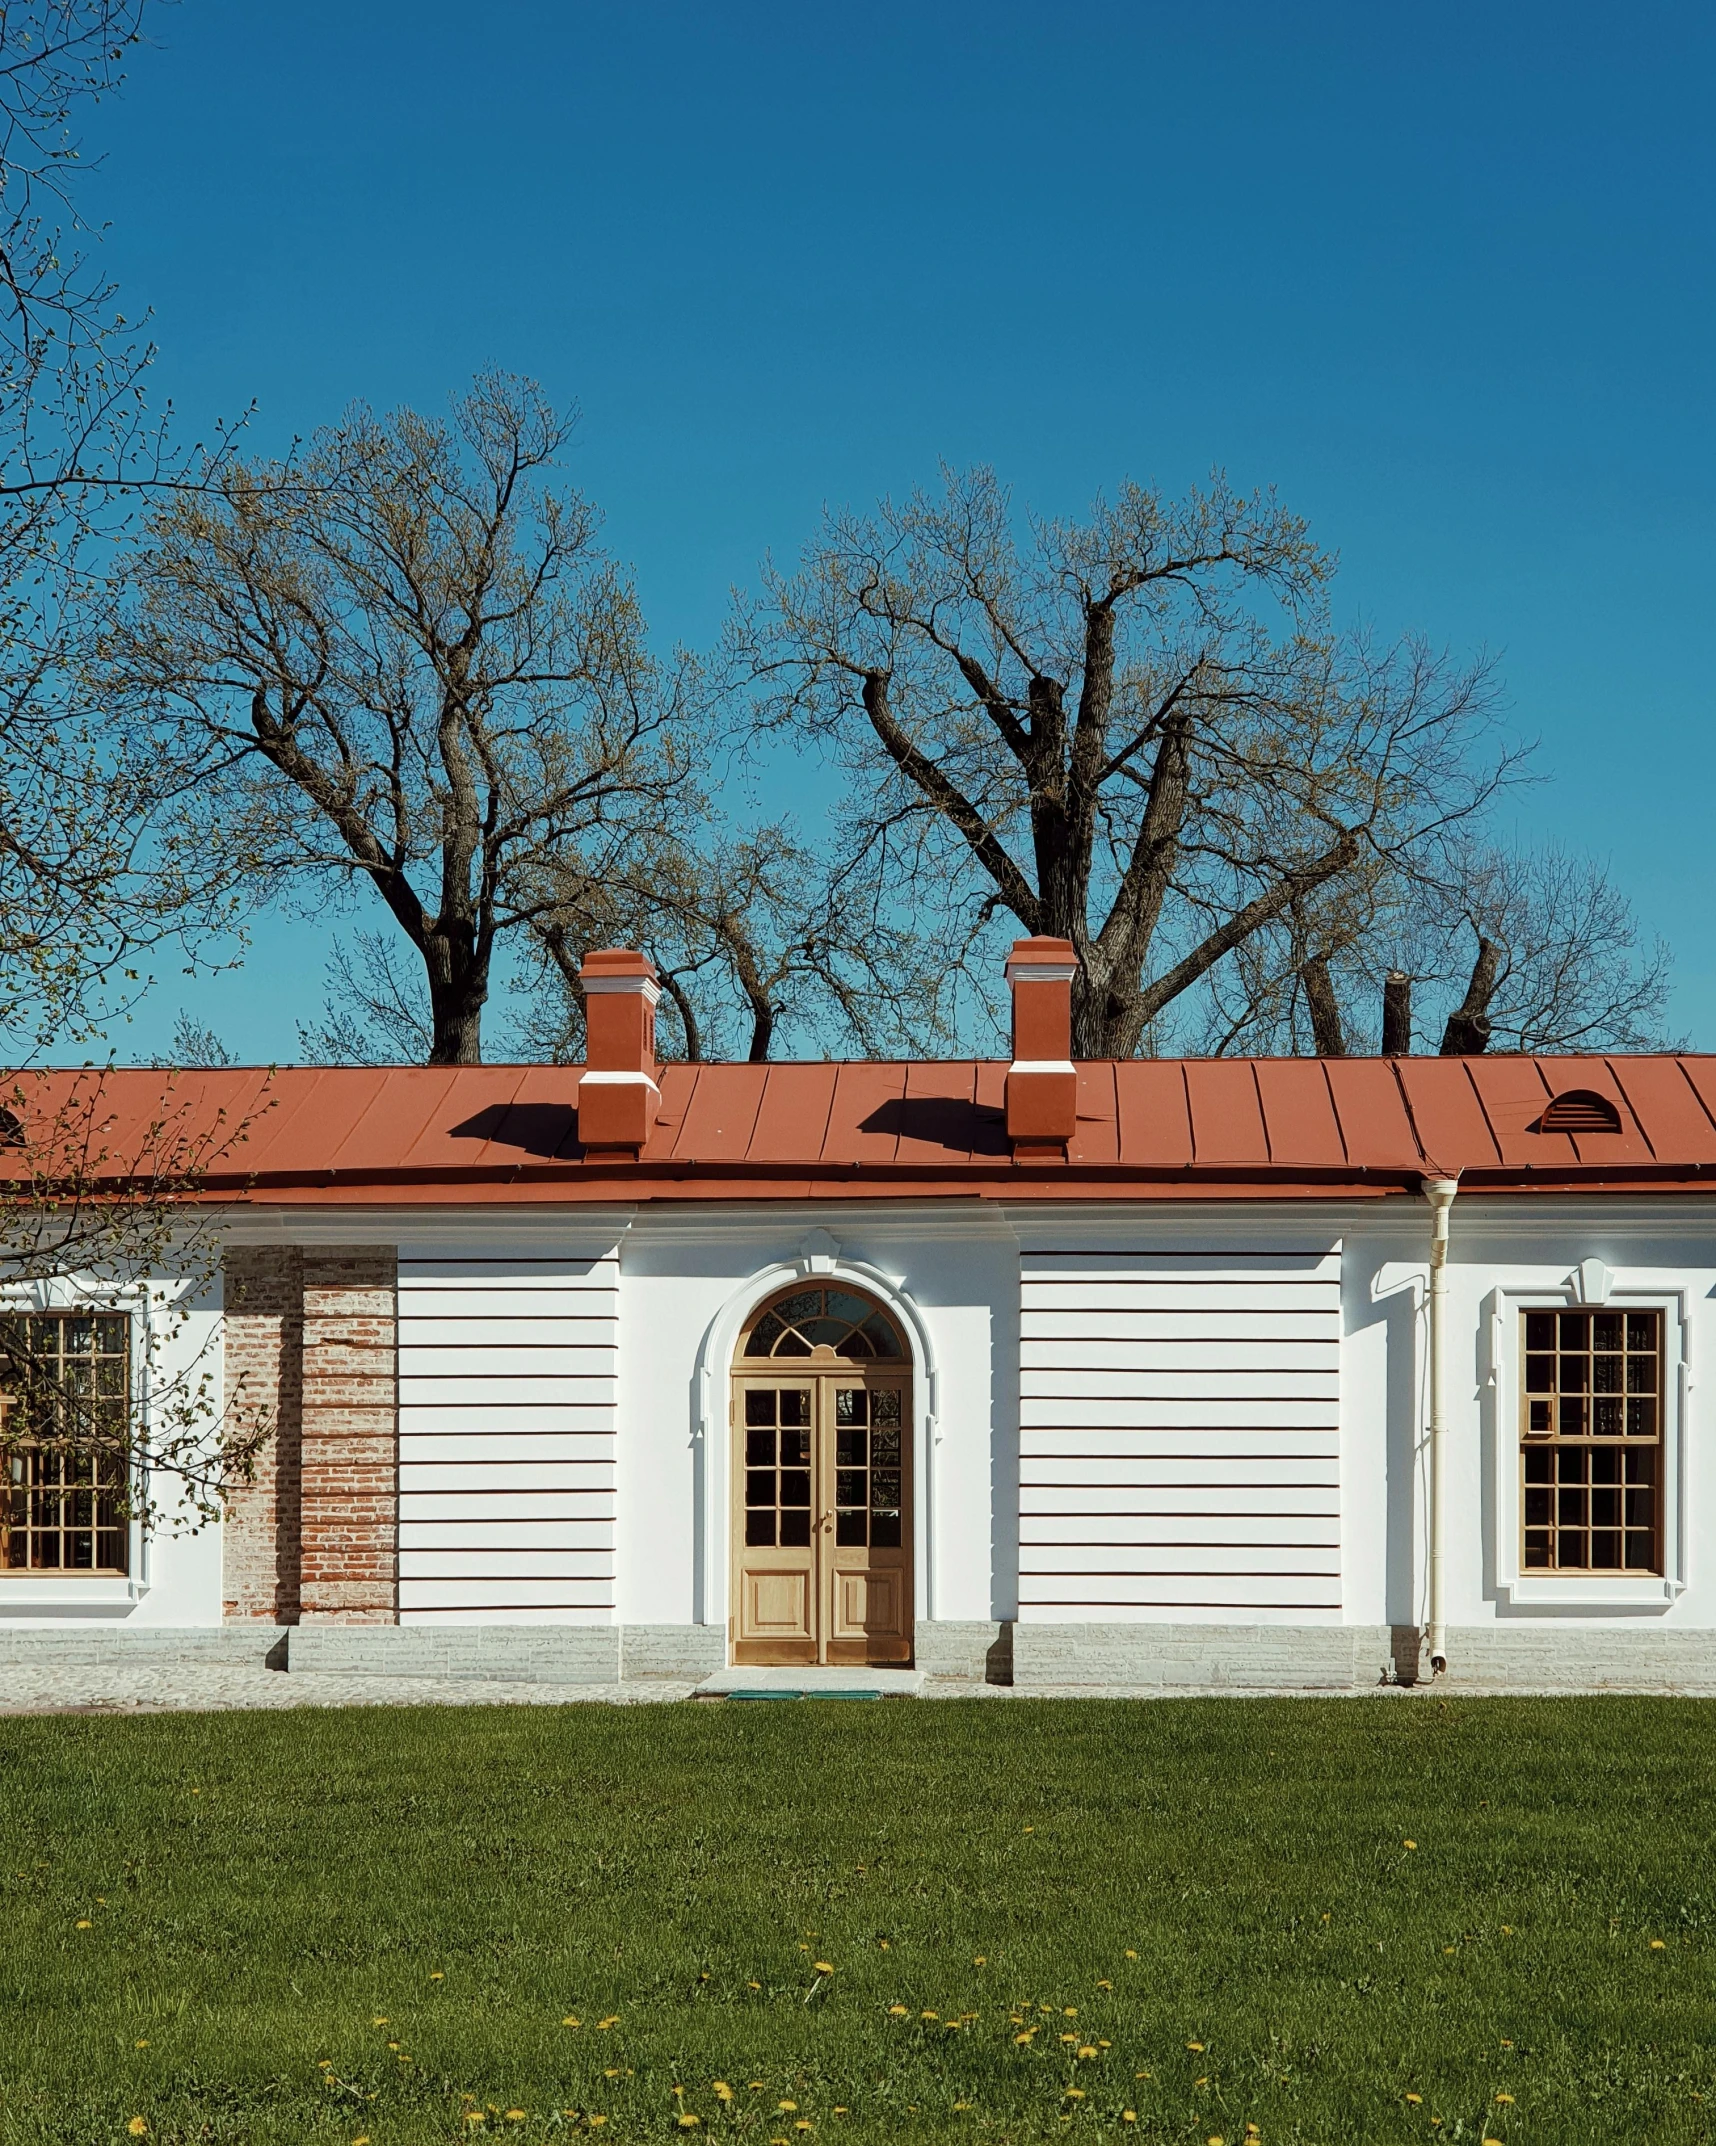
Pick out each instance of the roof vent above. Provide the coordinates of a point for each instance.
(1580, 1110)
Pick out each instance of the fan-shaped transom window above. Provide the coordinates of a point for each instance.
(1580, 1110)
(810, 1319)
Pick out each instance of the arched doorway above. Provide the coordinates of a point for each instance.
(822, 1481)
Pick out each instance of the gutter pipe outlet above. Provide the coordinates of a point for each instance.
(1439, 1191)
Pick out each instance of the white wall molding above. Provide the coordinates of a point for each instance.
(1499, 1400)
(712, 1435)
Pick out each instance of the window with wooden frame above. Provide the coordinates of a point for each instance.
(65, 1382)
(1591, 1441)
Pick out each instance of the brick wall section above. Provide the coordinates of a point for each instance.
(264, 1332)
(349, 1494)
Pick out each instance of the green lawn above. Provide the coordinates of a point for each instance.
(1352, 1920)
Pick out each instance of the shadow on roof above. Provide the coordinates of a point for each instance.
(944, 1121)
(547, 1129)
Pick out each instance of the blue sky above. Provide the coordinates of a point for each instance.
(1442, 275)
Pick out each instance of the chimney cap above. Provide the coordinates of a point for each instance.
(1042, 960)
(617, 961)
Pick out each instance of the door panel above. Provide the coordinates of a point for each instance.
(774, 1434)
(866, 1602)
(822, 1526)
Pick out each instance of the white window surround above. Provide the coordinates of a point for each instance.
(1501, 1402)
(820, 1255)
(38, 1593)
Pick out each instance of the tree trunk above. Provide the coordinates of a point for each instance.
(458, 992)
(1467, 1034)
(1324, 1008)
(1396, 1014)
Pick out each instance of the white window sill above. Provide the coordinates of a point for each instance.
(1580, 1592)
(32, 1595)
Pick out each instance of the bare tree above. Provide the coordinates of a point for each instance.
(87, 885)
(1526, 950)
(403, 661)
(756, 944)
(97, 1215)
(1138, 731)
(104, 1215)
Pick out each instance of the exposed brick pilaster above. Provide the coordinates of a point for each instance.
(264, 1332)
(350, 1414)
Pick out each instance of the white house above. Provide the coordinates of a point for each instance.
(1117, 1373)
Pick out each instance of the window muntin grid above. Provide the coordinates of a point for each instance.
(868, 1463)
(777, 1467)
(1591, 1441)
(808, 1319)
(67, 1380)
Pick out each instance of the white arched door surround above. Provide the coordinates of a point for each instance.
(820, 1257)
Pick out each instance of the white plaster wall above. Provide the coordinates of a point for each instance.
(954, 1265)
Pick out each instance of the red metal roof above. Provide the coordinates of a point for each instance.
(1146, 1128)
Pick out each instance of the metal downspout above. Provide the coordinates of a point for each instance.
(1439, 1191)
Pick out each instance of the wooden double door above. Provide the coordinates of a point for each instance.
(822, 1514)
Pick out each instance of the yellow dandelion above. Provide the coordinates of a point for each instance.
(929, 2015)
(142, 2045)
(722, 2091)
(1075, 2093)
(1447, 1948)
(361, 2140)
(964, 2104)
(393, 2045)
(86, 1926)
(982, 1960)
(381, 2022)
(1507, 1929)
(840, 2109)
(1069, 2011)
(1130, 1954)
(612, 2072)
(1214, 2139)
(1504, 2097)
(689, 2122)
(1198, 2046)
(571, 2020)
(437, 1976)
(1409, 1844)
(515, 2116)
(1657, 1944)
(138, 2127)
(1073, 2038)
(1415, 2097)
(1105, 1985)
(823, 1967)
(1506, 2044)
(786, 2107)
(753, 1985)
(897, 2011)
(757, 2085)
(612, 2020)
(1140, 2075)
(1087, 2051)
(594, 2119)
(1201, 2082)
(1029, 2035)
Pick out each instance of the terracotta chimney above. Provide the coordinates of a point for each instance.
(1042, 1087)
(618, 1097)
